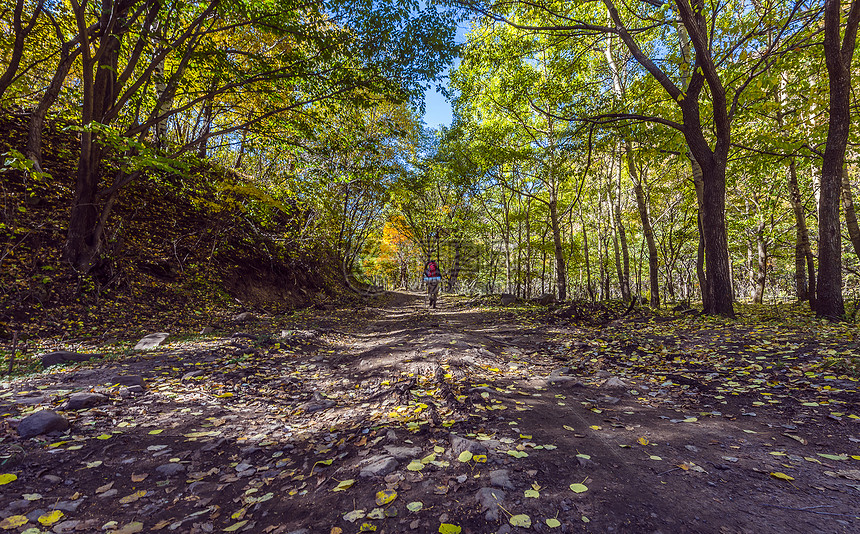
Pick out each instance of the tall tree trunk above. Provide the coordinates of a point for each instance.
(719, 278)
(648, 231)
(454, 272)
(804, 263)
(560, 269)
(586, 256)
(761, 264)
(37, 119)
(850, 214)
(838, 55)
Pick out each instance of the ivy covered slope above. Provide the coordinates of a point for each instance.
(186, 246)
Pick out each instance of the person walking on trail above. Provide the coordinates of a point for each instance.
(433, 277)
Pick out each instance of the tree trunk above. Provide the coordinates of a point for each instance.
(454, 272)
(838, 56)
(761, 264)
(585, 254)
(804, 263)
(561, 270)
(850, 214)
(37, 119)
(648, 231)
(719, 279)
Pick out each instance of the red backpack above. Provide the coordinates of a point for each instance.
(432, 270)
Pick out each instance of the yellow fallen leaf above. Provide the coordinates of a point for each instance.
(578, 488)
(13, 521)
(553, 522)
(782, 476)
(139, 478)
(448, 528)
(520, 520)
(104, 436)
(385, 496)
(156, 432)
(642, 441)
(133, 497)
(51, 517)
(7, 478)
(344, 485)
(482, 458)
(465, 456)
(236, 526)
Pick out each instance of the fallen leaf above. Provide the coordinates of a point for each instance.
(139, 478)
(133, 497)
(520, 520)
(51, 517)
(236, 526)
(131, 528)
(448, 528)
(344, 485)
(415, 465)
(781, 476)
(385, 496)
(578, 488)
(415, 506)
(465, 456)
(642, 441)
(530, 493)
(7, 478)
(354, 515)
(13, 521)
(553, 522)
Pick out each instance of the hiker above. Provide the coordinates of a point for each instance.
(433, 277)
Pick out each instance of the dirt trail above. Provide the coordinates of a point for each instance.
(296, 424)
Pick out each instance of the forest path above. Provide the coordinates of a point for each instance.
(394, 418)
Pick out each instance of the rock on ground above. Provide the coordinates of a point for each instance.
(151, 341)
(378, 466)
(490, 500)
(460, 444)
(85, 400)
(614, 383)
(41, 422)
(64, 356)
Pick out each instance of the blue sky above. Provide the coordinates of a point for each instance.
(437, 109)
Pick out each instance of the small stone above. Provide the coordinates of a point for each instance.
(614, 383)
(691, 448)
(504, 529)
(546, 299)
(378, 466)
(317, 405)
(170, 469)
(41, 422)
(207, 330)
(243, 317)
(402, 453)
(151, 341)
(64, 356)
(501, 478)
(68, 506)
(193, 374)
(460, 444)
(85, 400)
(65, 527)
(108, 493)
(52, 479)
(490, 500)
(131, 380)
